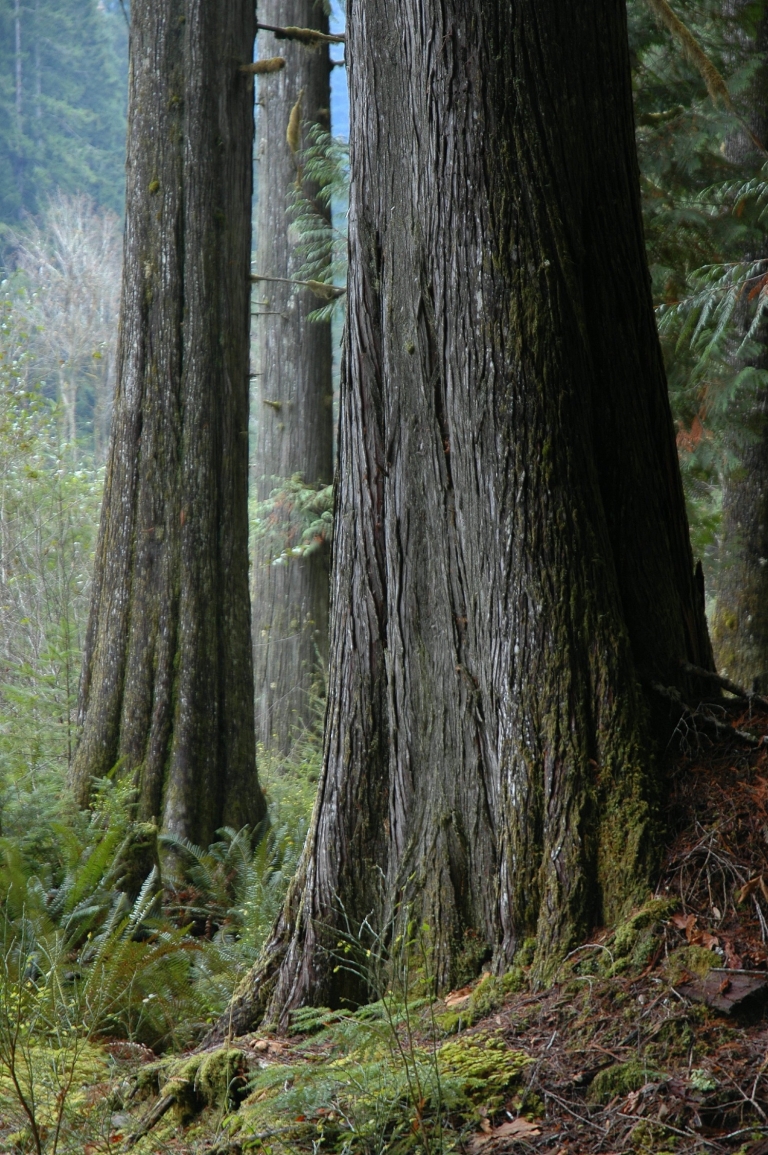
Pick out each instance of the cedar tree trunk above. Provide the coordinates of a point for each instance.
(740, 625)
(511, 554)
(167, 682)
(295, 389)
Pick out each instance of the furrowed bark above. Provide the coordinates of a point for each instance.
(295, 390)
(511, 553)
(167, 681)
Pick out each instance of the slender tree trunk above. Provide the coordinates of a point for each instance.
(511, 553)
(19, 89)
(19, 105)
(740, 623)
(167, 681)
(38, 72)
(295, 419)
(68, 391)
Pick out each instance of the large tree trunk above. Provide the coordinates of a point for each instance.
(740, 623)
(167, 682)
(511, 554)
(295, 390)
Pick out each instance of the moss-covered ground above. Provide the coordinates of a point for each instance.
(599, 1063)
(620, 1054)
(611, 1058)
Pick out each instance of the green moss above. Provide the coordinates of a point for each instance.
(451, 1022)
(649, 1138)
(212, 1079)
(469, 958)
(487, 997)
(650, 915)
(181, 1086)
(43, 1073)
(220, 1077)
(674, 1039)
(478, 1069)
(491, 991)
(626, 833)
(525, 953)
(692, 960)
(148, 1078)
(619, 1080)
(636, 939)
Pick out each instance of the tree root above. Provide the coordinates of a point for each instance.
(161, 1108)
(212, 1077)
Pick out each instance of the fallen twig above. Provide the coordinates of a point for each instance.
(668, 1126)
(566, 1107)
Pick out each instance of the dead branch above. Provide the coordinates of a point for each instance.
(699, 719)
(725, 684)
(308, 36)
(321, 289)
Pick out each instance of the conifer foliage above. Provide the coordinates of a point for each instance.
(62, 102)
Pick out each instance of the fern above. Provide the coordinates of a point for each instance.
(319, 200)
(704, 214)
(296, 519)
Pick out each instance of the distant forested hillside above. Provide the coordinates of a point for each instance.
(62, 102)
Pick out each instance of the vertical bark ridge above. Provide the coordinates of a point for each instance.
(501, 575)
(167, 682)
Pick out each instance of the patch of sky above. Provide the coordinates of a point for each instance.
(339, 93)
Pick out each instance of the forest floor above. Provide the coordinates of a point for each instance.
(654, 1038)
